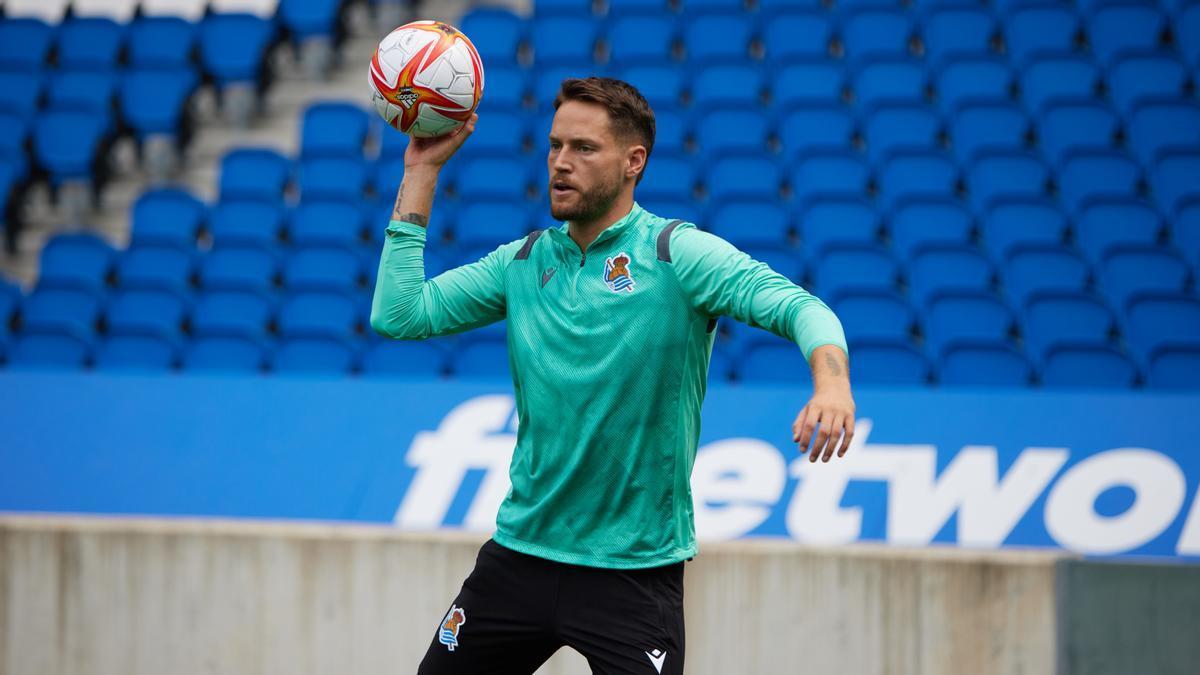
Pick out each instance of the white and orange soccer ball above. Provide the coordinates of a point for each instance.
(426, 78)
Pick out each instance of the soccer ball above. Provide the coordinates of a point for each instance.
(426, 78)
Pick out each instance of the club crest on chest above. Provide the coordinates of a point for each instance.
(617, 273)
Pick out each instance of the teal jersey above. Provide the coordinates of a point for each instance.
(608, 350)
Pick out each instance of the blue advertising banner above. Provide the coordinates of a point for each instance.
(1101, 474)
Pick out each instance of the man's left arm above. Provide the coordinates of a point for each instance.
(719, 279)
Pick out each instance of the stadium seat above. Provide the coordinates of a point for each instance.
(493, 178)
(1056, 78)
(888, 81)
(156, 268)
(323, 223)
(716, 36)
(730, 84)
(704, 6)
(92, 91)
(498, 133)
(21, 92)
(495, 32)
(875, 315)
(1033, 268)
(1089, 176)
(308, 355)
(916, 175)
(1069, 127)
(64, 310)
(491, 223)
(937, 268)
(672, 177)
(78, 261)
(980, 79)
(167, 217)
(749, 223)
(24, 43)
(725, 130)
(323, 269)
(1014, 222)
(333, 129)
(1173, 180)
(797, 35)
(804, 83)
(1175, 367)
(559, 7)
(231, 314)
(91, 43)
(1185, 234)
(956, 31)
(305, 19)
(1160, 125)
(245, 223)
(1005, 175)
(254, 173)
(918, 223)
(1138, 77)
(321, 315)
(155, 101)
(67, 143)
(663, 85)
(828, 174)
(1092, 366)
(984, 363)
(895, 128)
(481, 358)
(966, 315)
(1118, 28)
(153, 313)
(1130, 269)
(36, 349)
(775, 362)
(1187, 33)
(888, 361)
(641, 39)
(623, 7)
(223, 354)
(238, 269)
(875, 32)
(1053, 318)
(507, 87)
(859, 267)
(814, 129)
(746, 176)
(986, 127)
(403, 358)
(339, 179)
(233, 47)
(1035, 28)
(1107, 223)
(834, 221)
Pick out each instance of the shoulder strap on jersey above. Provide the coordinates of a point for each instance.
(664, 241)
(529, 239)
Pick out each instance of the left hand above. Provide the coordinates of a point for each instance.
(832, 410)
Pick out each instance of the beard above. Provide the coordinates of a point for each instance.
(591, 204)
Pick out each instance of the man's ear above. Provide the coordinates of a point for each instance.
(635, 161)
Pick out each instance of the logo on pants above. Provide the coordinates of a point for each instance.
(448, 635)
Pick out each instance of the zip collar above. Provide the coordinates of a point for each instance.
(562, 234)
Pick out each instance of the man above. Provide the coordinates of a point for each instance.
(610, 329)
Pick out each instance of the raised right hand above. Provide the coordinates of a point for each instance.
(436, 151)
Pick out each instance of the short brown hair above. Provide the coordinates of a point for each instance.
(631, 116)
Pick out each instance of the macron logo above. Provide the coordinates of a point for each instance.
(547, 274)
(657, 657)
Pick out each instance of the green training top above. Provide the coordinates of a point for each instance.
(608, 351)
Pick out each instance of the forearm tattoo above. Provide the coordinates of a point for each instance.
(414, 218)
(834, 367)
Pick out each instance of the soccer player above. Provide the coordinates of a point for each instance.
(611, 321)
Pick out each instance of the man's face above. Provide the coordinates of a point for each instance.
(586, 162)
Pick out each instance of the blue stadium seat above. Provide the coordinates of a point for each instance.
(686, 210)
(231, 314)
(323, 315)
(966, 315)
(319, 356)
(151, 313)
(333, 129)
(1088, 176)
(161, 42)
(662, 85)
(829, 174)
(892, 80)
(1117, 28)
(1006, 175)
(1054, 318)
(36, 349)
(1142, 76)
(66, 143)
(14, 136)
(1187, 33)
(988, 126)
(342, 178)
(310, 18)
(238, 269)
(815, 128)
(888, 361)
(254, 173)
(896, 128)
(89, 43)
(725, 130)
(10, 300)
(938, 268)
(774, 362)
(750, 223)
(324, 223)
(984, 363)
(493, 178)
(21, 91)
(1158, 319)
(1035, 28)
(641, 38)
(156, 268)
(746, 176)
(1092, 366)
(498, 133)
(64, 310)
(712, 5)
(167, 217)
(547, 82)
(245, 223)
(860, 267)
(79, 261)
(1033, 268)
(507, 87)
(875, 32)
(771, 9)
(1107, 223)
(834, 221)
(1013, 222)
(91, 91)
(782, 259)
(24, 43)
(1159, 125)
(732, 84)
(388, 174)
(1130, 269)
(1173, 180)
(797, 35)
(491, 223)
(403, 358)
(912, 175)
(233, 46)
(1069, 127)
(806, 82)
(718, 36)
(922, 222)
(322, 269)
(1058, 77)
(568, 7)
(1175, 367)
(155, 101)
(623, 7)
(1185, 233)
(495, 32)
(956, 31)
(481, 357)
(223, 354)
(978, 79)
(669, 177)
(875, 315)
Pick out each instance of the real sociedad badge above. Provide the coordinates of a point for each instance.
(616, 273)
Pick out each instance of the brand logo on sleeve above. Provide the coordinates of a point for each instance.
(616, 273)
(448, 635)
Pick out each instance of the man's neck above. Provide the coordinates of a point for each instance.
(584, 233)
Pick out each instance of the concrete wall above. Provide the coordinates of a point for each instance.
(176, 597)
